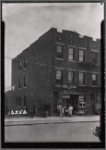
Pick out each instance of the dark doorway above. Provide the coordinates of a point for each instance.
(56, 98)
(74, 101)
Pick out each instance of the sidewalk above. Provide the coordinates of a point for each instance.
(49, 120)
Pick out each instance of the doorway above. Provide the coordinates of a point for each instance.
(74, 101)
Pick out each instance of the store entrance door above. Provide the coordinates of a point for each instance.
(74, 101)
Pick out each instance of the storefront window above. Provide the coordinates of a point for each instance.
(81, 102)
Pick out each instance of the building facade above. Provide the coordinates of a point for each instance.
(60, 67)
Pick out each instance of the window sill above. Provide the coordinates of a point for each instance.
(59, 58)
(94, 86)
(71, 60)
(81, 85)
(80, 62)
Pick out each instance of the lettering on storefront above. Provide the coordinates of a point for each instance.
(66, 96)
(65, 86)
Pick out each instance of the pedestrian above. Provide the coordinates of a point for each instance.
(62, 112)
(70, 109)
(46, 113)
(59, 110)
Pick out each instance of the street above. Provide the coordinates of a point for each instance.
(62, 132)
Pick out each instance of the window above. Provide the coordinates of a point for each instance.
(70, 77)
(71, 54)
(59, 51)
(58, 75)
(81, 78)
(19, 65)
(81, 101)
(24, 81)
(19, 82)
(94, 79)
(94, 57)
(18, 101)
(25, 63)
(81, 55)
(24, 100)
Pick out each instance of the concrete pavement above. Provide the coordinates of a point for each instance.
(48, 120)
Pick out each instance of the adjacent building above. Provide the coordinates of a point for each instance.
(60, 67)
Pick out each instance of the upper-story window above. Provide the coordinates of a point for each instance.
(71, 42)
(94, 57)
(25, 63)
(20, 65)
(81, 78)
(81, 55)
(58, 75)
(70, 77)
(18, 101)
(71, 54)
(94, 79)
(24, 100)
(19, 83)
(59, 51)
(24, 81)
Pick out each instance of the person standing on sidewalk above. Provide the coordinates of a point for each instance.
(70, 109)
(63, 111)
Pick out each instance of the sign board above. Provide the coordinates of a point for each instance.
(66, 96)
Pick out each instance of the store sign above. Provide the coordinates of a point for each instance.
(65, 86)
(66, 96)
(17, 112)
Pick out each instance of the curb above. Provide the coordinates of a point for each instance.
(56, 122)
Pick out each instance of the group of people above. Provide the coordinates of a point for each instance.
(61, 110)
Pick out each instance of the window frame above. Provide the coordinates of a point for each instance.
(83, 82)
(61, 74)
(59, 54)
(24, 100)
(81, 101)
(20, 65)
(18, 101)
(71, 53)
(19, 83)
(25, 63)
(94, 82)
(72, 77)
(81, 56)
(94, 60)
(25, 80)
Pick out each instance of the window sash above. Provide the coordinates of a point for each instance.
(70, 77)
(19, 82)
(71, 54)
(18, 101)
(59, 49)
(94, 57)
(58, 75)
(81, 78)
(25, 63)
(24, 100)
(24, 81)
(81, 102)
(81, 55)
(20, 65)
(94, 77)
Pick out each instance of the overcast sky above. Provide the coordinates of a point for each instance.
(26, 22)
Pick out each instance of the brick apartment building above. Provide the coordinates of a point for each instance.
(60, 67)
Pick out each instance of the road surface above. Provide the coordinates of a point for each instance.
(64, 132)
